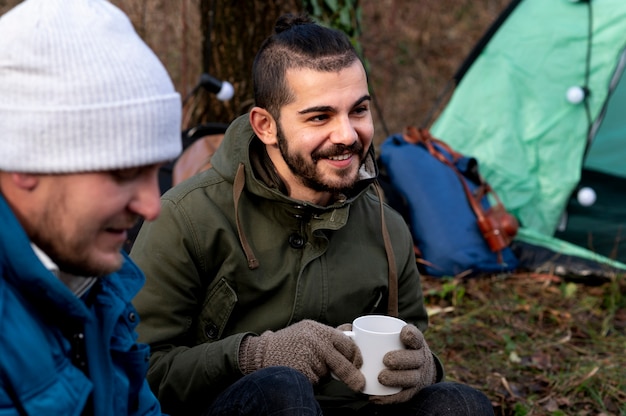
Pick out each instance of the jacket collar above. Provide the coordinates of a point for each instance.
(22, 269)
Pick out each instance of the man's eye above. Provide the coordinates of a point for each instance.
(123, 175)
(319, 117)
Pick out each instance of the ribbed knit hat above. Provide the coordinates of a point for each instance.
(80, 91)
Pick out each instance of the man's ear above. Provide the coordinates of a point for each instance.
(24, 181)
(14, 185)
(264, 125)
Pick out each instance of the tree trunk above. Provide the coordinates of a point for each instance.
(232, 32)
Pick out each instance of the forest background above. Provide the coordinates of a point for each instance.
(411, 47)
(535, 344)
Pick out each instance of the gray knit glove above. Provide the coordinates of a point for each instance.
(412, 369)
(312, 348)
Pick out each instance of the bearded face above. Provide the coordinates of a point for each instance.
(323, 134)
(313, 174)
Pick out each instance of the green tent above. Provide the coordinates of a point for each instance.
(541, 103)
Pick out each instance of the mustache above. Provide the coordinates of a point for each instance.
(338, 150)
(124, 223)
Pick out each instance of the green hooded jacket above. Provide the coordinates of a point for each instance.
(217, 270)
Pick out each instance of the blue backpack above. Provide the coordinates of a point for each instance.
(455, 228)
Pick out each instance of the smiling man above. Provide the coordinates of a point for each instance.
(316, 148)
(254, 264)
(87, 115)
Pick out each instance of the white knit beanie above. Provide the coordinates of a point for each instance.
(80, 91)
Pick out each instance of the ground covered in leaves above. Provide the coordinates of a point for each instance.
(535, 344)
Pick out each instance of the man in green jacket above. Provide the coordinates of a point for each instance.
(255, 263)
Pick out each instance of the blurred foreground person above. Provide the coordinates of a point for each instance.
(87, 115)
(255, 263)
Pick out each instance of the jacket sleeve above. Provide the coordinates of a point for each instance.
(185, 377)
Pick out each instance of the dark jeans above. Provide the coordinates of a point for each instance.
(441, 399)
(273, 391)
(282, 391)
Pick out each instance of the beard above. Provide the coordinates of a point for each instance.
(72, 244)
(342, 181)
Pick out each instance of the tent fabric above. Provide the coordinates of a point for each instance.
(609, 133)
(510, 109)
(599, 227)
(561, 248)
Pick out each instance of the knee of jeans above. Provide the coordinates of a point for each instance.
(281, 376)
(269, 391)
(283, 382)
(285, 387)
(457, 398)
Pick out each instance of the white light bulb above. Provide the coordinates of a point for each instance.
(586, 196)
(226, 92)
(575, 94)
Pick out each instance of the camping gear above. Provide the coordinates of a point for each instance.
(457, 230)
(541, 103)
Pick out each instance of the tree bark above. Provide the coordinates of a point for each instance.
(232, 32)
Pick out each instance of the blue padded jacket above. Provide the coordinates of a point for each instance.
(46, 331)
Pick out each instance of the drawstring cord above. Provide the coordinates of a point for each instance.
(240, 180)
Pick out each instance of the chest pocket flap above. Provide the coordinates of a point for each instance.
(216, 311)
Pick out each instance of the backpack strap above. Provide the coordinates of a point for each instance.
(392, 303)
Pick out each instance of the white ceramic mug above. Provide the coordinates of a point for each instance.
(376, 335)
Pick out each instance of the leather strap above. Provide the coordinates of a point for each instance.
(238, 185)
(392, 302)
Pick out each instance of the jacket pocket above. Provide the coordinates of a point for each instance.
(63, 393)
(132, 367)
(216, 311)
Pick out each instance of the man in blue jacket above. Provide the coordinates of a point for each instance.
(87, 116)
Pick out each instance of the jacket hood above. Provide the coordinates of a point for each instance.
(235, 149)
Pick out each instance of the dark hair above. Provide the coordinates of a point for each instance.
(297, 42)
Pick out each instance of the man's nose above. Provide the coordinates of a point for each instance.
(344, 132)
(147, 199)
